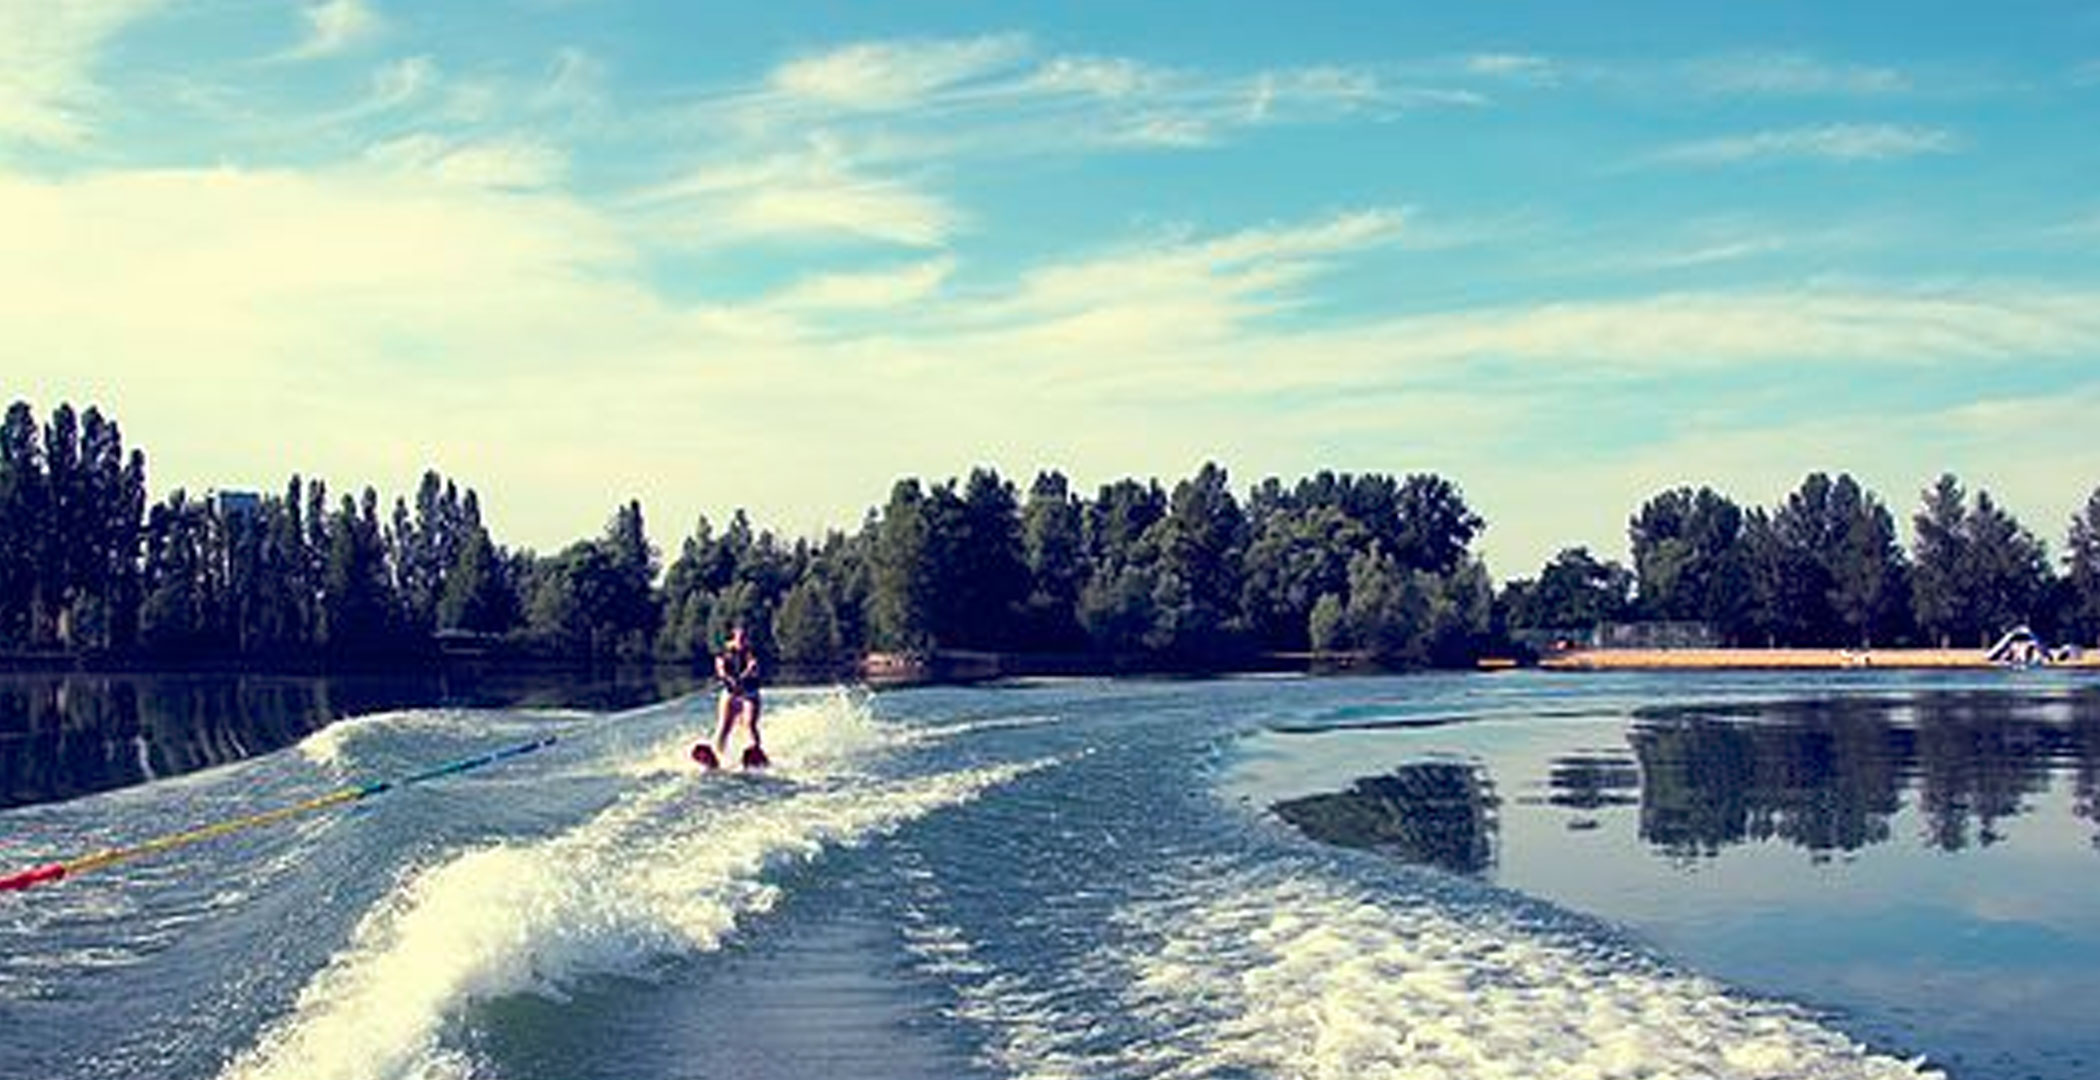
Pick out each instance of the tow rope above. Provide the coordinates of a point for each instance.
(74, 867)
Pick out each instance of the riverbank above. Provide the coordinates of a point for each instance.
(1783, 660)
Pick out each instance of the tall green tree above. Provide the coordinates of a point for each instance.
(1117, 520)
(59, 555)
(174, 619)
(1388, 613)
(2082, 563)
(422, 549)
(1869, 589)
(982, 581)
(1119, 605)
(572, 600)
(102, 613)
(1461, 615)
(1689, 560)
(842, 564)
(1824, 566)
(1201, 543)
(1296, 556)
(22, 521)
(357, 601)
(478, 595)
(1977, 571)
(704, 567)
(1575, 590)
(126, 588)
(631, 613)
(1053, 545)
(1940, 599)
(903, 569)
(285, 601)
(1434, 527)
(2008, 568)
(806, 629)
(748, 604)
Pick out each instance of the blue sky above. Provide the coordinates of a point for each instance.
(775, 256)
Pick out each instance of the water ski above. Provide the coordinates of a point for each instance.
(705, 756)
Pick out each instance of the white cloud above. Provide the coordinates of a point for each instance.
(517, 163)
(1516, 67)
(1329, 90)
(2086, 74)
(988, 96)
(1831, 142)
(394, 87)
(48, 52)
(893, 75)
(334, 27)
(812, 193)
(1102, 77)
(875, 209)
(1720, 239)
(1181, 131)
(244, 325)
(1713, 251)
(1788, 74)
(1708, 329)
(878, 290)
(363, 323)
(1197, 290)
(1186, 110)
(1201, 320)
(576, 79)
(397, 83)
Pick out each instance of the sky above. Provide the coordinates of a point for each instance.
(776, 256)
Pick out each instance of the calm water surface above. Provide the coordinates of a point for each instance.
(68, 734)
(1920, 857)
(1524, 876)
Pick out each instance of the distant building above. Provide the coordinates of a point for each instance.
(1656, 635)
(238, 513)
(235, 505)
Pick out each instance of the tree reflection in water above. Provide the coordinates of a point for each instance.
(1831, 775)
(2087, 791)
(72, 734)
(1440, 813)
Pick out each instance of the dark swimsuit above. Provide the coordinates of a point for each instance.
(744, 688)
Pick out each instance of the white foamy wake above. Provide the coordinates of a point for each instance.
(645, 880)
(330, 746)
(808, 736)
(997, 723)
(1267, 975)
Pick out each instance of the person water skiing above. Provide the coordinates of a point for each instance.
(736, 667)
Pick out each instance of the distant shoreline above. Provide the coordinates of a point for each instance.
(1786, 660)
(957, 667)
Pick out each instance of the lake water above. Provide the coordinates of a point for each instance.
(1524, 875)
(66, 734)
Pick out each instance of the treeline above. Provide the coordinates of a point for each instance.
(1824, 567)
(87, 567)
(1188, 576)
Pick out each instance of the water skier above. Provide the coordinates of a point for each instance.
(736, 667)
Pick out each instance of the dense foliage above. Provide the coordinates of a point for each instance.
(1825, 567)
(1190, 576)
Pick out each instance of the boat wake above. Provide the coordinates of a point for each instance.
(668, 870)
